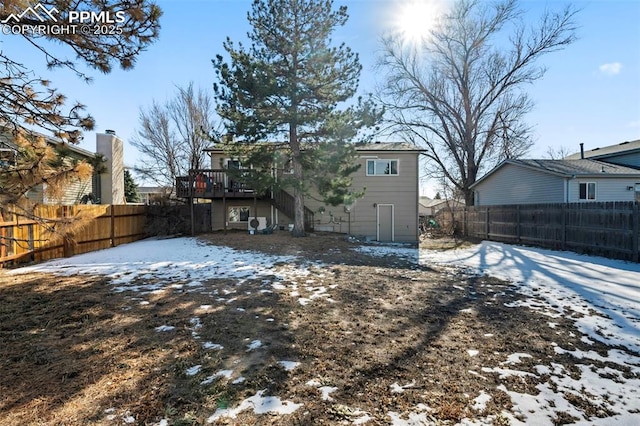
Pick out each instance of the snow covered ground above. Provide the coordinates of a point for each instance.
(605, 291)
(606, 294)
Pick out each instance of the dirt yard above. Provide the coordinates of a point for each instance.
(385, 336)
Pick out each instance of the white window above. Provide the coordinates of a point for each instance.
(238, 214)
(234, 164)
(587, 191)
(382, 167)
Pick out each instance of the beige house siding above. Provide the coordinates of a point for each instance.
(264, 209)
(361, 219)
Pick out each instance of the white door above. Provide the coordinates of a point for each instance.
(385, 222)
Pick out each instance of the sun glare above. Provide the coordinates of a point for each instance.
(416, 18)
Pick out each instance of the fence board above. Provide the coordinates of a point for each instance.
(23, 240)
(606, 229)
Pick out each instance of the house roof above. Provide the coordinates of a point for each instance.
(428, 202)
(387, 146)
(611, 150)
(424, 201)
(371, 146)
(151, 190)
(570, 168)
(6, 140)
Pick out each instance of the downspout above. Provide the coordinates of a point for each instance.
(567, 187)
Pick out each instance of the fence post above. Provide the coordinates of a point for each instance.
(112, 235)
(487, 229)
(635, 232)
(518, 223)
(465, 229)
(564, 226)
(193, 216)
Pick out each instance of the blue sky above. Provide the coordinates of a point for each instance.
(590, 93)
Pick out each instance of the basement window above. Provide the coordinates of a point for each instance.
(587, 191)
(238, 214)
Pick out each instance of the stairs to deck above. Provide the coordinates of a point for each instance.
(285, 202)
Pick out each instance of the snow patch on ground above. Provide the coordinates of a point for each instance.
(288, 365)
(259, 404)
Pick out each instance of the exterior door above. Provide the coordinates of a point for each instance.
(232, 186)
(385, 222)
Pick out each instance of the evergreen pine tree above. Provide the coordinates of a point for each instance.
(288, 86)
(130, 188)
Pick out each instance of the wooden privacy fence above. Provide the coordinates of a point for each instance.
(101, 226)
(609, 229)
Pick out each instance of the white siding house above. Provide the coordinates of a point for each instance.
(556, 181)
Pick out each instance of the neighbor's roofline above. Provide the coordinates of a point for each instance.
(558, 173)
(52, 140)
(622, 148)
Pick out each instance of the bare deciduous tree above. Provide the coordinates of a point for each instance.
(460, 95)
(558, 153)
(172, 136)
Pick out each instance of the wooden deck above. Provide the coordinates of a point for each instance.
(212, 184)
(216, 184)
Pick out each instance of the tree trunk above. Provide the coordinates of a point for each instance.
(298, 194)
(468, 197)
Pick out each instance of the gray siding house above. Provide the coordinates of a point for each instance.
(389, 173)
(556, 181)
(625, 154)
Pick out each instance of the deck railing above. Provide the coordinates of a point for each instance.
(216, 183)
(211, 183)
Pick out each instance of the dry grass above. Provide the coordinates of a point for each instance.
(76, 353)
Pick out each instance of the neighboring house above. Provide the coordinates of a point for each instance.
(388, 211)
(153, 194)
(105, 188)
(423, 206)
(430, 208)
(624, 154)
(556, 181)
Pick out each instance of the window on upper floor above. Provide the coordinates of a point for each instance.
(380, 167)
(587, 191)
